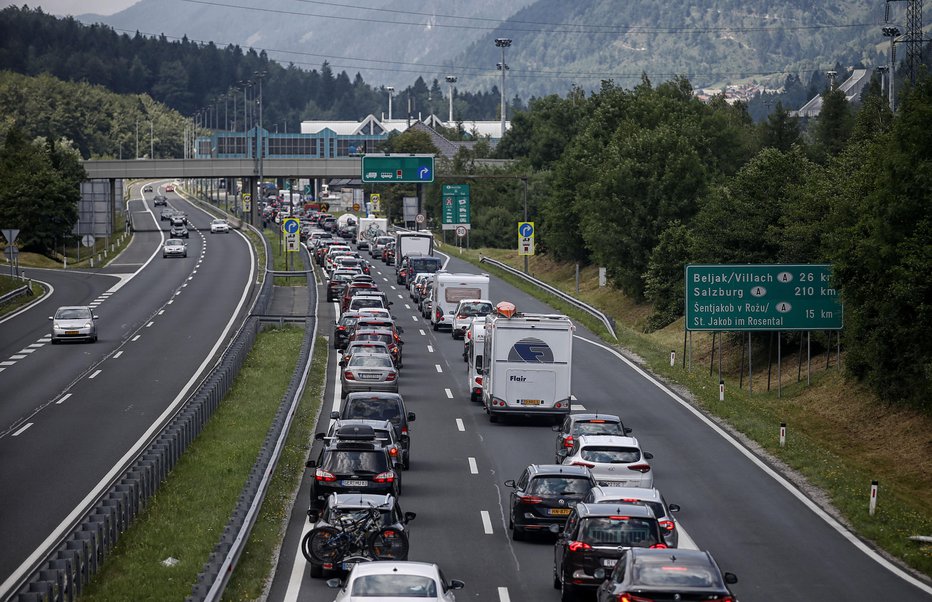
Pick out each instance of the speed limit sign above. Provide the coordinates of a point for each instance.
(460, 231)
(420, 218)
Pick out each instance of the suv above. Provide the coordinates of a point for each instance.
(178, 231)
(545, 495)
(384, 433)
(381, 406)
(667, 575)
(646, 496)
(614, 461)
(575, 425)
(353, 461)
(593, 539)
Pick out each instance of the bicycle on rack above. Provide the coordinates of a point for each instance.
(354, 537)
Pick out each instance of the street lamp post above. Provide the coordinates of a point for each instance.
(503, 43)
(451, 79)
(892, 32)
(259, 132)
(391, 92)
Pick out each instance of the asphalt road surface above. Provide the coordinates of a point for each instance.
(754, 524)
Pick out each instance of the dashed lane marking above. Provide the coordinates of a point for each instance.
(414, 318)
(136, 338)
(407, 306)
(449, 393)
(7, 363)
(473, 469)
(460, 426)
(430, 349)
(37, 345)
(17, 357)
(161, 311)
(22, 429)
(63, 399)
(577, 407)
(503, 595)
(422, 333)
(117, 354)
(94, 375)
(486, 522)
(27, 350)
(437, 366)
(149, 324)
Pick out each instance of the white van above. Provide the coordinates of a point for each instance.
(528, 364)
(474, 349)
(449, 289)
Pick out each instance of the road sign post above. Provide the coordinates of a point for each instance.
(397, 168)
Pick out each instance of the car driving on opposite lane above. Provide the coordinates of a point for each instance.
(74, 323)
(219, 225)
(174, 247)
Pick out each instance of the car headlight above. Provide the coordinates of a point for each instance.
(87, 325)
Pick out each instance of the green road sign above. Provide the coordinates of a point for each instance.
(455, 206)
(761, 297)
(398, 168)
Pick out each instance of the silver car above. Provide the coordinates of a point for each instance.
(74, 322)
(614, 461)
(175, 247)
(369, 372)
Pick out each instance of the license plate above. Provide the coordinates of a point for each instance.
(531, 402)
(71, 332)
(348, 483)
(559, 512)
(613, 483)
(609, 562)
(370, 376)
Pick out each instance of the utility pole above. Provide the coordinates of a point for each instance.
(391, 92)
(892, 32)
(914, 34)
(151, 140)
(503, 43)
(137, 137)
(451, 79)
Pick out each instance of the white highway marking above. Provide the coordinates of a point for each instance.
(486, 522)
(573, 397)
(63, 399)
(422, 333)
(27, 350)
(577, 407)
(17, 357)
(414, 318)
(185, 285)
(135, 338)
(161, 311)
(149, 324)
(449, 393)
(2, 369)
(460, 426)
(7, 363)
(503, 595)
(437, 366)
(94, 375)
(430, 349)
(407, 306)
(117, 354)
(400, 296)
(170, 301)
(473, 469)
(37, 345)
(385, 279)
(22, 429)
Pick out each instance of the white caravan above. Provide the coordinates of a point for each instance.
(449, 290)
(528, 364)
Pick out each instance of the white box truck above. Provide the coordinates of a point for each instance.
(451, 288)
(412, 243)
(370, 228)
(528, 364)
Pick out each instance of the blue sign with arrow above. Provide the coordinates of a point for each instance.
(291, 226)
(526, 229)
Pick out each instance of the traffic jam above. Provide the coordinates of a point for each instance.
(614, 535)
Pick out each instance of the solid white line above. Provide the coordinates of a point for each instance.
(94, 375)
(503, 595)
(135, 338)
(337, 389)
(430, 349)
(117, 354)
(473, 469)
(449, 393)
(834, 524)
(51, 289)
(575, 407)
(460, 426)
(437, 366)
(17, 357)
(22, 429)
(298, 568)
(486, 522)
(422, 333)
(63, 399)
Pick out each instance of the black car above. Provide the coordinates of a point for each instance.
(575, 425)
(148, 188)
(381, 406)
(643, 574)
(354, 462)
(178, 231)
(341, 506)
(160, 200)
(166, 214)
(592, 541)
(343, 328)
(545, 495)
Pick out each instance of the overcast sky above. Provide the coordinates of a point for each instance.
(74, 7)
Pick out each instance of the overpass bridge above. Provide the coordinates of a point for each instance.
(136, 169)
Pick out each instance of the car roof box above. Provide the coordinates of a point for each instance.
(356, 432)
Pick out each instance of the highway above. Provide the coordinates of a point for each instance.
(74, 412)
(778, 543)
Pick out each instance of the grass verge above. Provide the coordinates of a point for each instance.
(840, 436)
(8, 284)
(186, 517)
(283, 260)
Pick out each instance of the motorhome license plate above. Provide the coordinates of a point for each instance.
(531, 402)
(349, 483)
(559, 512)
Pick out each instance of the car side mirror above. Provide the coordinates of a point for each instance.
(311, 464)
(411, 417)
(391, 302)
(334, 583)
(313, 515)
(410, 516)
(342, 363)
(730, 578)
(457, 584)
(335, 415)
(673, 507)
(96, 317)
(556, 428)
(628, 429)
(319, 437)
(510, 483)
(648, 455)
(51, 318)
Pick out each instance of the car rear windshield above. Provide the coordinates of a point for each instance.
(674, 575)
(348, 461)
(367, 302)
(374, 409)
(403, 586)
(619, 530)
(370, 361)
(597, 428)
(559, 486)
(656, 507)
(385, 338)
(424, 264)
(611, 455)
(475, 309)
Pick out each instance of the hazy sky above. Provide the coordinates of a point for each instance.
(74, 7)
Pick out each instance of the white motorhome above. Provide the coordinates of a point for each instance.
(451, 288)
(474, 352)
(412, 243)
(528, 364)
(369, 229)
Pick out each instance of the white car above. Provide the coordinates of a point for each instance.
(614, 461)
(175, 247)
(395, 581)
(219, 225)
(466, 310)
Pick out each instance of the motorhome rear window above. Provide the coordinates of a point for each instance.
(457, 294)
(424, 264)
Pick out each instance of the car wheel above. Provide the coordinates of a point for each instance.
(567, 593)
(164, 255)
(434, 326)
(556, 580)
(94, 340)
(517, 534)
(493, 418)
(317, 571)
(55, 341)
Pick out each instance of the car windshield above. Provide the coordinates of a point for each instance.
(406, 586)
(173, 241)
(373, 409)
(347, 461)
(348, 320)
(371, 361)
(667, 574)
(618, 530)
(597, 428)
(559, 486)
(219, 221)
(373, 347)
(610, 455)
(75, 313)
(475, 309)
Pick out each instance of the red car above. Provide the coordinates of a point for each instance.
(352, 289)
(169, 188)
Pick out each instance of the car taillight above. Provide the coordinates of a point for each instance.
(667, 525)
(391, 376)
(568, 441)
(322, 475)
(632, 598)
(385, 477)
(348, 375)
(460, 317)
(341, 328)
(641, 468)
(404, 430)
(576, 546)
(393, 451)
(659, 546)
(439, 313)
(478, 380)
(581, 463)
(529, 499)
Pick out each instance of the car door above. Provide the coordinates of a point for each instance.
(559, 548)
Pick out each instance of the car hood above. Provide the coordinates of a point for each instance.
(73, 323)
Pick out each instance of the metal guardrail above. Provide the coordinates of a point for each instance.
(16, 292)
(607, 321)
